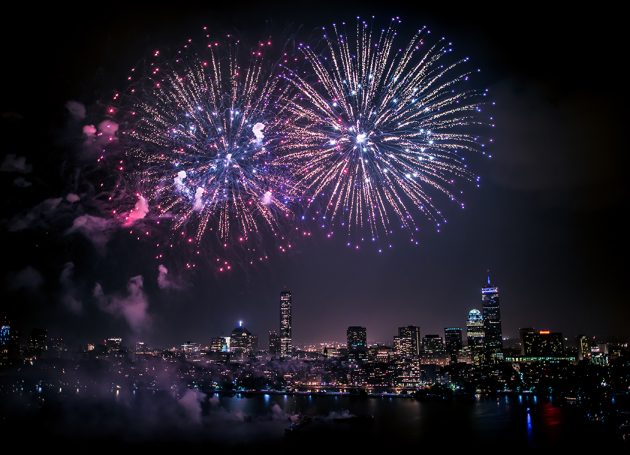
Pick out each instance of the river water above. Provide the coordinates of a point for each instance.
(519, 422)
(331, 423)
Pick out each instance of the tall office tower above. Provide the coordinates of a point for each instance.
(242, 341)
(475, 335)
(409, 339)
(399, 347)
(584, 347)
(433, 345)
(274, 344)
(286, 345)
(8, 342)
(492, 322)
(453, 341)
(5, 331)
(357, 343)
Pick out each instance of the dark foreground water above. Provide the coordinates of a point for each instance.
(236, 422)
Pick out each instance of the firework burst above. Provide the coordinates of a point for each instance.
(379, 129)
(198, 134)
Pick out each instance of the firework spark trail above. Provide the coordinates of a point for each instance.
(198, 139)
(378, 129)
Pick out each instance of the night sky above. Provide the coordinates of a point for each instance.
(547, 219)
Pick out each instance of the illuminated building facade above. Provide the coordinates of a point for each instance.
(491, 312)
(584, 347)
(219, 344)
(274, 344)
(433, 345)
(9, 343)
(409, 341)
(113, 345)
(37, 343)
(542, 343)
(453, 341)
(408, 373)
(190, 349)
(357, 343)
(475, 335)
(242, 341)
(286, 342)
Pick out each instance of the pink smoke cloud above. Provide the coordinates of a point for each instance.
(108, 128)
(98, 230)
(164, 281)
(104, 133)
(89, 130)
(72, 198)
(133, 306)
(139, 211)
(191, 403)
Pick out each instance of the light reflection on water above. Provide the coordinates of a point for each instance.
(528, 420)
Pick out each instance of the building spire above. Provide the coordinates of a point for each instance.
(488, 277)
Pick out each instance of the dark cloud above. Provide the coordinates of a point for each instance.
(14, 163)
(21, 182)
(76, 109)
(69, 296)
(41, 213)
(29, 279)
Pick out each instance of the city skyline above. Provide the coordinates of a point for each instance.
(478, 324)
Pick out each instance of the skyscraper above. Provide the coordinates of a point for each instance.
(433, 345)
(9, 343)
(526, 340)
(274, 344)
(286, 345)
(475, 335)
(242, 341)
(409, 341)
(453, 341)
(492, 322)
(584, 347)
(357, 343)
